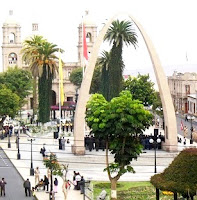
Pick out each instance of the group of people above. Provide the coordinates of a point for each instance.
(44, 183)
(91, 143)
(62, 142)
(145, 141)
(79, 182)
(67, 126)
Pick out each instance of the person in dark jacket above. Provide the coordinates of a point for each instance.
(27, 186)
(46, 183)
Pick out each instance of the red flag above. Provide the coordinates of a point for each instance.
(85, 49)
(182, 125)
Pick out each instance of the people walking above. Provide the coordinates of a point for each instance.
(55, 185)
(2, 185)
(63, 143)
(37, 175)
(46, 183)
(27, 186)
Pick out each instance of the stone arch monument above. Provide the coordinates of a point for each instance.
(168, 108)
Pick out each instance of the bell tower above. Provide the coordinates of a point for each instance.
(91, 34)
(11, 45)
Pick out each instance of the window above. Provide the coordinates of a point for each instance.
(187, 89)
(69, 98)
(11, 38)
(88, 37)
(12, 58)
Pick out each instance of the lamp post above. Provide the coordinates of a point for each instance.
(191, 118)
(155, 141)
(9, 144)
(18, 137)
(31, 169)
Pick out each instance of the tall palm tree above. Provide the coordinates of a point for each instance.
(29, 55)
(40, 55)
(120, 32)
(103, 61)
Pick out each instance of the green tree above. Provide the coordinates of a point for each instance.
(76, 78)
(180, 176)
(121, 32)
(19, 81)
(40, 55)
(103, 62)
(118, 122)
(9, 102)
(141, 88)
(30, 56)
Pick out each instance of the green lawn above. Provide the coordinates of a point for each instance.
(130, 190)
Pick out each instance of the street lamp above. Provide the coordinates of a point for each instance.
(191, 118)
(18, 137)
(155, 141)
(31, 169)
(9, 144)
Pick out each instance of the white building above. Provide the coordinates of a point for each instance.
(181, 85)
(12, 45)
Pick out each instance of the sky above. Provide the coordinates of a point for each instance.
(170, 24)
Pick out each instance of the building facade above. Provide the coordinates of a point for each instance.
(12, 45)
(181, 85)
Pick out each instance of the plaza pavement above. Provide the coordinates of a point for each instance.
(90, 165)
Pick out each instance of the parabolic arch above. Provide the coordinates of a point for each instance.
(168, 108)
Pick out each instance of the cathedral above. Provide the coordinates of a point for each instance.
(11, 56)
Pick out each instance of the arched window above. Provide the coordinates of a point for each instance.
(11, 38)
(12, 58)
(88, 37)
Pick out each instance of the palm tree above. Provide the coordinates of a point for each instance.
(40, 55)
(119, 33)
(29, 55)
(103, 61)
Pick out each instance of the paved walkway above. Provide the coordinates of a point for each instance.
(90, 165)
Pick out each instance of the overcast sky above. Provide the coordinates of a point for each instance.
(171, 25)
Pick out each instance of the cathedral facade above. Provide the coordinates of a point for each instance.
(11, 54)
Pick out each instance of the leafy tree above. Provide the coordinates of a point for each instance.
(76, 78)
(9, 102)
(180, 176)
(157, 105)
(118, 122)
(19, 81)
(141, 88)
(40, 55)
(119, 33)
(57, 169)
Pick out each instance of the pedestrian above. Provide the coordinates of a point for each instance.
(55, 185)
(46, 183)
(37, 175)
(63, 143)
(82, 185)
(67, 185)
(68, 141)
(71, 126)
(67, 125)
(2, 185)
(27, 186)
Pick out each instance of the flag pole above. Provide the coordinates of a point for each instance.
(82, 57)
(60, 111)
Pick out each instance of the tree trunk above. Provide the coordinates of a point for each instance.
(34, 95)
(113, 189)
(175, 195)
(157, 194)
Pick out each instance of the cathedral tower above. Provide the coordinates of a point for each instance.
(11, 45)
(91, 34)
